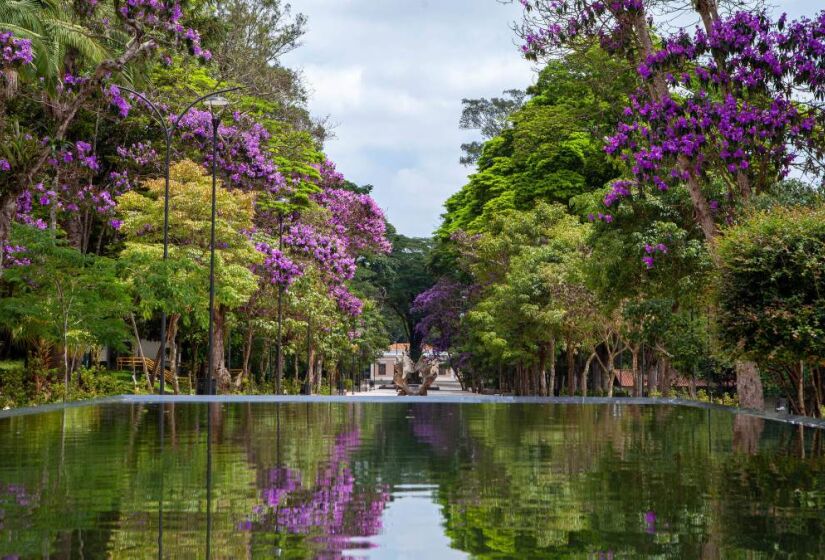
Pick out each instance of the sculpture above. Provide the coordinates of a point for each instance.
(425, 368)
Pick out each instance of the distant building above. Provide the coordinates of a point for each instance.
(382, 368)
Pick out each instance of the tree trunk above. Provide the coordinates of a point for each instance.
(224, 379)
(571, 368)
(173, 356)
(543, 371)
(800, 388)
(653, 376)
(310, 368)
(319, 374)
(585, 373)
(611, 376)
(664, 375)
(171, 333)
(749, 385)
(634, 353)
(551, 385)
(140, 354)
(247, 354)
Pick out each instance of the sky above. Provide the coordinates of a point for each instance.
(391, 74)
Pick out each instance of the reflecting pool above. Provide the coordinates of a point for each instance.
(408, 480)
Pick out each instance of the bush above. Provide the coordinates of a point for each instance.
(90, 383)
(12, 384)
(771, 295)
(772, 285)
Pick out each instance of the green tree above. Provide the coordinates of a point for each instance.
(71, 300)
(551, 149)
(772, 298)
(395, 279)
(531, 263)
(190, 194)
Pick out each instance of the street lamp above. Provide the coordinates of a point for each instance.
(216, 105)
(169, 129)
(279, 367)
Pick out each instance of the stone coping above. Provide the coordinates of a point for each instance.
(441, 399)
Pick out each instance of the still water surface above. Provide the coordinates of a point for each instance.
(399, 480)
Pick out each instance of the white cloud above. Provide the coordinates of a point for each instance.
(391, 74)
(335, 89)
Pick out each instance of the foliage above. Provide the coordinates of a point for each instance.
(181, 285)
(771, 306)
(397, 278)
(552, 150)
(771, 285)
(64, 297)
(82, 164)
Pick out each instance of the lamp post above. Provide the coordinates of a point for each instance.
(216, 102)
(279, 366)
(168, 130)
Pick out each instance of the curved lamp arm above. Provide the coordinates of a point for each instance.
(157, 114)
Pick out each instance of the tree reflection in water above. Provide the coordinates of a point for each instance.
(333, 512)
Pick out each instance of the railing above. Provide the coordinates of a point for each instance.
(135, 362)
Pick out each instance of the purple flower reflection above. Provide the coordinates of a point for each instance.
(650, 522)
(331, 511)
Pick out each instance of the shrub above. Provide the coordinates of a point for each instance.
(12, 384)
(771, 295)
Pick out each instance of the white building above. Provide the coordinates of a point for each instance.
(381, 371)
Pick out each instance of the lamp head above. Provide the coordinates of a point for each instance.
(217, 102)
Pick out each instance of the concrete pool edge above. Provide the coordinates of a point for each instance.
(480, 399)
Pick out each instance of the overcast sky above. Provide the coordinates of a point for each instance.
(391, 75)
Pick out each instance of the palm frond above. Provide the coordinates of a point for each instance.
(73, 36)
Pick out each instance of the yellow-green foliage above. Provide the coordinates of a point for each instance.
(190, 194)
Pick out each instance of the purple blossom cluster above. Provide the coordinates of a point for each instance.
(347, 302)
(331, 511)
(70, 82)
(599, 217)
(141, 154)
(649, 257)
(740, 115)
(162, 15)
(75, 189)
(14, 255)
(24, 211)
(356, 224)
(331, 178)
(277, 268)
(243, 157)
(16, 52)
(440, 311)
(117, 100)
(356, 219)
(608, 20)
(737, 98)
(327, 251)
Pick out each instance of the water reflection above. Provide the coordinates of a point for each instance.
(366, 480)
(334, 510)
